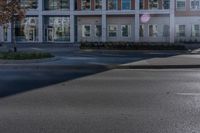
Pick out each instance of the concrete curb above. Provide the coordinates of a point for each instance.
(158, 66)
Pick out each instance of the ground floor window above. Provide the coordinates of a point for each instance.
(195, 30)
(180, 30)
(153, 30)
(166, 30)
(141, 31)
(57, 29)
(112, 30)
(98, 30)
(125, 30)
(5, 33)
(86, 30)
(27, 29)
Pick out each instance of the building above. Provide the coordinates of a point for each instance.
(69, 21)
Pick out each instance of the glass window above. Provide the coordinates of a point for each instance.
(153, 4)
(57, 29)
(194, 4)
(166, 4)
(125, 30)
(56, 4)
(153, 30)
(85, 4)
(112, 4)
(126, 4)
(86, 29)
(98, 4)
(98, 30)
(27, 29)
(180, 4)
(112, 30)
(166, 30)
(195, 30)
(29, 4)
(141, 30)
(180, 30)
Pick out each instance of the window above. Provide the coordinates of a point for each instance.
(180, 4)
(195, 30)
(112, 4)
(180, 30)
(126, 4)
(141, 30)
(98, 31)
(153, 30)
(166, 4)
(29, 4)
(5, 33)
(86, 29)
(125, 30)
(166, 30)
(56, 4)
(153, 4)
(194, 4)
(112, 30)
(98, 4)
(85, 4)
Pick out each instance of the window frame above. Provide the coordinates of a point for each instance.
(180, 9)
(83, 32)
(129, 30)
(115, 31)
(153, 32)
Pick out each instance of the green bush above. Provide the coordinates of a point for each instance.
(131, 46)
(24, 55)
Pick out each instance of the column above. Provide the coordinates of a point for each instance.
(137, 21)
(172, 21)
(72, 22)
(104, 21)
(40, 21)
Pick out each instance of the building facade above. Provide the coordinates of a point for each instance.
(70, 21)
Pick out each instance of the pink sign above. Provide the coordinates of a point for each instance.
(145, 18)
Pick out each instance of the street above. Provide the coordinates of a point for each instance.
(114, 101)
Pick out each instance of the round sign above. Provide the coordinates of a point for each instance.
(145, 18)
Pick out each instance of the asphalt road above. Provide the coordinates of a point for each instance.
(115, 101)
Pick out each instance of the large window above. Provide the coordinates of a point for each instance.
(180, 30)
(56, 4)
(86, 30)
(195, 30)
(98, 31)
(27, 29)
(112, 4)
(153, 4)
(180, 4)
(98, 4)
(112, 30)
(141, 30)
(85, 4)
(29, 4)
(57, 29)
(126, 4)
(125, 30)
(194, 4)
(153, 30)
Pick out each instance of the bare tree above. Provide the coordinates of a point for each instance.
(10, 12)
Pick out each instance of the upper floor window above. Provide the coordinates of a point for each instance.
(126, 4)
(166, 4)
(85, 4)
(56, 4)
(29, 4)
(180, 4)
(112, 4)
(98, 4)
(194, 4)
(153, 4)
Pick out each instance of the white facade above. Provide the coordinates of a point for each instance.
(73, 25)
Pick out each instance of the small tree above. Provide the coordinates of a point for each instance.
(10, 12)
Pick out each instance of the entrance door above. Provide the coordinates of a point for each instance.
(31, 34)
(50, 37)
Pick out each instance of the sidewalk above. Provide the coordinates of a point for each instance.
(179, 61)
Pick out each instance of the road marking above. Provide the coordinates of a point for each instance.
(189, 94)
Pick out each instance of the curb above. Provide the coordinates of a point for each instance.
(158, 67)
